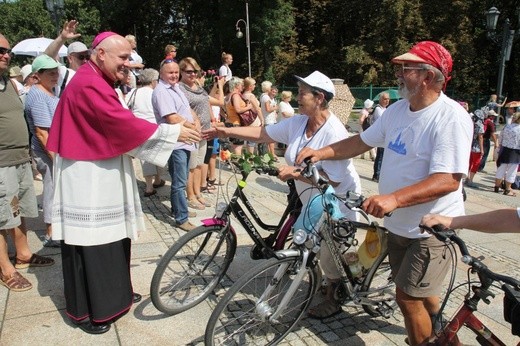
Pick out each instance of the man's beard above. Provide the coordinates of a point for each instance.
(406, 93)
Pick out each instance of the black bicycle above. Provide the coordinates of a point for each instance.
(191, 269)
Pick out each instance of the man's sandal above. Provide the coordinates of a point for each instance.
(509, 193)
(325, 310)
(34, 261)
(16, 282)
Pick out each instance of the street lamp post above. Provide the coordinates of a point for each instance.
(239, 34)
(55, 7)
(505, 39)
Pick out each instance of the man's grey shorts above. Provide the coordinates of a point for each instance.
(419, 266)
(17, 196)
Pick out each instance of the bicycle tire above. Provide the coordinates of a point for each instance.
(236, 319)
(178, 283)
(378, 285)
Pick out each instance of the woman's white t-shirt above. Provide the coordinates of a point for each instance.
(292, 132)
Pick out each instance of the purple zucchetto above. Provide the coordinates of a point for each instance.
(100, 37)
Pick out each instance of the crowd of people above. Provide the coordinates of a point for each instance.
(506, 145)
(168, 118)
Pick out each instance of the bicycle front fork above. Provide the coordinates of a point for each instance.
(263, 309)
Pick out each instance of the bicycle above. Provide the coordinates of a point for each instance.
(264, 305)
(191, 269)
(464, 316)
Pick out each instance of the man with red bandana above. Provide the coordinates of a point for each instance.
(427, 140)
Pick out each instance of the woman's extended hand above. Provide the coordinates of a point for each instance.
(216, 131)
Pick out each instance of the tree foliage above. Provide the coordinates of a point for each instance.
(352, 40)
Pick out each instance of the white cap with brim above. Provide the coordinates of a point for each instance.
(492, 112)
(321, 82)
(26, 71)
(76, 47)
(368, 103)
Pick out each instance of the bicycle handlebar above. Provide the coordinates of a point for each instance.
(351, 200)
(445, 234)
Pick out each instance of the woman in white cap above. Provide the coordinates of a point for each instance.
(315, 127)
(40, 104)
(364, 122)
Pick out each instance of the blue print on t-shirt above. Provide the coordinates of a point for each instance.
(398, 146)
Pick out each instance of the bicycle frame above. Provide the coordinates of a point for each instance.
(465, 315)
(279, 231)
(324, 225)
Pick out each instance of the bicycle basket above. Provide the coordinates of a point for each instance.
(512, 308)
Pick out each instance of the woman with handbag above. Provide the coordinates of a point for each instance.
(238, 110)
(248, 96)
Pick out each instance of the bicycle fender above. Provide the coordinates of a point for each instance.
(213, 222)
(286, 253)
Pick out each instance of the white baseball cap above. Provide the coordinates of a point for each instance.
(319, 81)
(76, 47)
(26, 71)
(368, 103)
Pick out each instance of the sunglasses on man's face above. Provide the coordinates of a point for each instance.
(83, 56)
(4, 51)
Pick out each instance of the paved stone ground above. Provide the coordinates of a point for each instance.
(37, 316)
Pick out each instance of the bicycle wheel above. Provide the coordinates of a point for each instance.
(192, 268)
(240, 319)
(379, 287)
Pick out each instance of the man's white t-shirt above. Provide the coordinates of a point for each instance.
(63, 73)
(378, 113)
(436, 139)
(292, 132)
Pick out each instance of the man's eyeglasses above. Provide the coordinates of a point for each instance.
(191, 71)
(5, 51)
(401, 69)
(83, 56)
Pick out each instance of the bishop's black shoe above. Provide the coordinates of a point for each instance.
(93, 328)
(136, 297)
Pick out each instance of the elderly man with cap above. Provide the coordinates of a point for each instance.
(427, 140)
(97, 210)
(315, 127)
(77, 54)
(17, 198)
